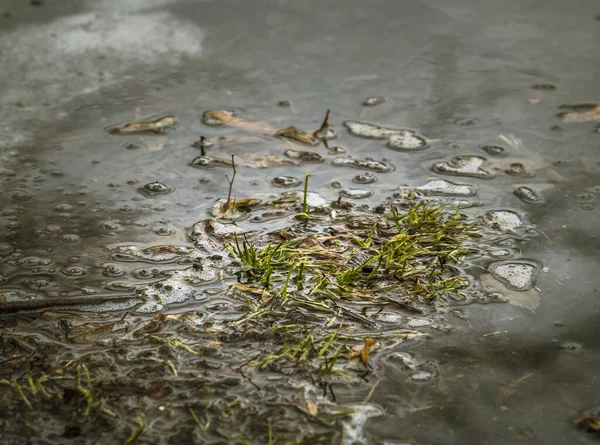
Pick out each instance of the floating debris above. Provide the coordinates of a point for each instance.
(366, 164)
(269, 215)
(159, 253)
(234, 209)
(519, 276)
(158, 126)
(286, 181)
(581, 112)
(494, 150)
(366, 178)
(469, 166)
(305, 156)
(155, 188)
(355, 193)
(373, 101)
(269, 160)
(442, 187)
(210, 161)
(371, 131)
(88, 332)
(504, 220)
(527, 195)
(218, 118)
(591, 424)
(543, 87)
(336, 150)
(325, 133)
(407, 142)
(292, 133)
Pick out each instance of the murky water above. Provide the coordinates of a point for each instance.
(463, 105)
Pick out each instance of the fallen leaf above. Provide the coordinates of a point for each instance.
(590, 423)
(158, 126)
(294, 134)
(88, 332)
(363, 350)
(581, 112)
(307, 405)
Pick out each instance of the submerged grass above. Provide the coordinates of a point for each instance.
(305, 283)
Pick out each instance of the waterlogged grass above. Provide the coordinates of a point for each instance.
(309, 295)
(316, 283)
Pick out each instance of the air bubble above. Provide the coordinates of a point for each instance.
(154, 189)
(286, 181)
(519, 276)
(527, 195)
(18, 195)
(494, 150)
(74, 271)
(71, 238)
(355, 193)
(366, 178)
(366, 164)
(446, 188)
(373, 101)
(407, 142)
(470, 166)
(113, 270)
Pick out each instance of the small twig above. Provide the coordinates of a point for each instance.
(321, 133)
(36, 305)
(231, 181)
(304, 200)
(371, 391)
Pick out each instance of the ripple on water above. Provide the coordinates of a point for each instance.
(155, 188)
(366, 178)
(470, 166)
(516, 275)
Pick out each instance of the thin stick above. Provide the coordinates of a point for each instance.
(304, 203)
(231, 181)
(322, 131)
(36, 305)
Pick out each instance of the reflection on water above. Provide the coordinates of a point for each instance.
(493, 106)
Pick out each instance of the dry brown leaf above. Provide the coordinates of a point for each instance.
(363, 350)
(157, 126)
(88, 332)
(156, 323)
(294, 134)
(307, 405)
(581, 112)
(229, 119)
(590, 423)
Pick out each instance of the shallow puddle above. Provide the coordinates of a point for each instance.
(184, 259)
